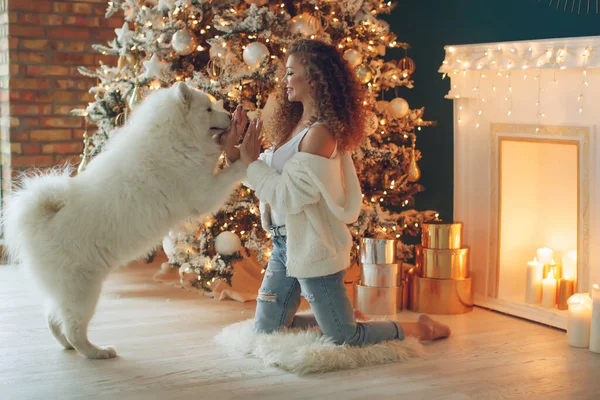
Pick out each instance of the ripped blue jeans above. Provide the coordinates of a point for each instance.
(279, 300)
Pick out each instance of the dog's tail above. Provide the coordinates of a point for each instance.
(33, 202)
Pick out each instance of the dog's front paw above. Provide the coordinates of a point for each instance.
(103, 353)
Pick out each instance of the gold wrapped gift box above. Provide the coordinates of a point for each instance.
(440, 283)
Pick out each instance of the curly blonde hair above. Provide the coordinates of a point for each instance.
(339, 99)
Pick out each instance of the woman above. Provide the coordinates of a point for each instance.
(309, 192)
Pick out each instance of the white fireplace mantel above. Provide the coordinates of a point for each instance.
(530, 90)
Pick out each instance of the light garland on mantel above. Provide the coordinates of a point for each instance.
(502, 58)
(560, 54)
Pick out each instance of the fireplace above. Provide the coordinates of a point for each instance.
(526, 169)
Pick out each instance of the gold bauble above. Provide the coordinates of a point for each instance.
(121, 118)
(398, 108)
(414, 173)
(364, 73)
(407, 66)
(382, 106)
(306, 25)
(215, 67)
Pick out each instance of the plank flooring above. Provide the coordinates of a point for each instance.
(164, 337)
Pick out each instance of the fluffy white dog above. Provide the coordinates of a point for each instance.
(159, 169)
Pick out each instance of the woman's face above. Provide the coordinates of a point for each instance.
(295, 80)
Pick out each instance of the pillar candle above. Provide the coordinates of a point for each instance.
(544, 255)
(566, 288)
(595, 324)
(552, 266)
(549, 291)
(569, 265)
(580, 316)
(533, 282)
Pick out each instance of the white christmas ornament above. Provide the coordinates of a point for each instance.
(353, 57)
(184, 42)
(124, 35)
(154, 67)
(227, 243)
(305, 24)
(398, 108)
(217, 50)
(255, 53)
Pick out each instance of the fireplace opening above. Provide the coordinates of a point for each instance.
(538, 218)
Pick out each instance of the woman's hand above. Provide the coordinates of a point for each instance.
(251, 146)
(231, 138)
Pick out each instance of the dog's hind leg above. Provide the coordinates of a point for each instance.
(77, 313)
(55, 326)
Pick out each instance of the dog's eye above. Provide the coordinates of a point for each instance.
(210, 110)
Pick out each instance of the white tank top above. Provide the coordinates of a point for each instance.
(281, 156)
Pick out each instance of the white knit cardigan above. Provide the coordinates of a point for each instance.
(319, 196)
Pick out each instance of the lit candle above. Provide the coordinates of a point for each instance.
(552, 266)
(533, 285)
(580, 316)
(595, 324)
(569, 265)
(549, 291)
(544, 255)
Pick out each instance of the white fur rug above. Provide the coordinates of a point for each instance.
(307, 351)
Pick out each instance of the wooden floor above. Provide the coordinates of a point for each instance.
(163, 336)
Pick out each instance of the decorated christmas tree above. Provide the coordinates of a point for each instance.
(235, 51)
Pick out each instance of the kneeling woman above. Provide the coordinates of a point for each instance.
(309, 192)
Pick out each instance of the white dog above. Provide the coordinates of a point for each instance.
(159, 169)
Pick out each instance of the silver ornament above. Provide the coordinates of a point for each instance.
(184, 42)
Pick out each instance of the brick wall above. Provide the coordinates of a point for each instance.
(4, 98)
(47, 41)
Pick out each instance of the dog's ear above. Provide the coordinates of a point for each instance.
(218, 106)
(184, 94)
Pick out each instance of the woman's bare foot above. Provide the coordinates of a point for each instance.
(431, 329)
(358, 315)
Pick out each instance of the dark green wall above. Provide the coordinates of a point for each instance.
(428, 25)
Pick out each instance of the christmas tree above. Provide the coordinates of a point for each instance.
(235, 51)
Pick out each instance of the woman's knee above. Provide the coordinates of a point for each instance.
(264, 324)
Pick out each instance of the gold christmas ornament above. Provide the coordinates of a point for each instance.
(184, 42)
(85, 156)
(306, 25)
(382, 106)
(364, 73)
(398, 108)
(214, 67)
(407, 66)
(121, 118)
(353, 57)
(414, 173)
